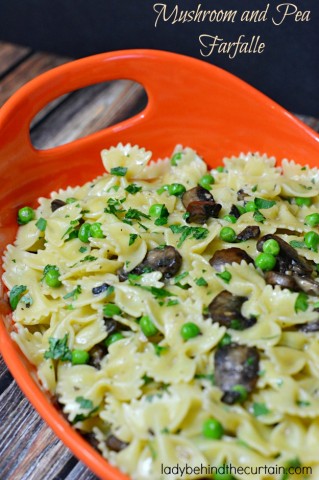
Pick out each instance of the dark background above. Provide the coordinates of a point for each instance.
(287, 71)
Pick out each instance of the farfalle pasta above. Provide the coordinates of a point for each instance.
(172, 311)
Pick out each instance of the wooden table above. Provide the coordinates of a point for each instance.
(29, 450)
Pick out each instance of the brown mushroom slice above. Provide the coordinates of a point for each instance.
(234, 211)
(56, 204)
(225, 309)
(201, 211)
(115, 444)
(249, 232)
(235, 365)
(280, 279)
(309, 327)
(97, 353)
(307, 285)
(166, 260)
(288, 258)
(241, 195)
(229, 255)
(196, 194)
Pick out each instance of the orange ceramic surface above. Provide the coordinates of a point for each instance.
(189, 102)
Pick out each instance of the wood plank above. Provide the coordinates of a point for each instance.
(88, 110)
(10, 55)
(35, 65)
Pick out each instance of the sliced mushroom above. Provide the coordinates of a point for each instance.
(166, 260)
(91, 438)
(249, 232)
(229, 255)
(241, 195)
(288, 258)
(225, 309)
(97, 353)
(196, 194)
(56, 204)
(309, 327)
(307, 285)
(115, 444)
(280, 279)
(199, 212)
(236, 365)
(234, 211)
(100, 289)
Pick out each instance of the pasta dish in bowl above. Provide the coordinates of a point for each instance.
(169, 306)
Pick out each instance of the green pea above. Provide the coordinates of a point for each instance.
(25, 215)
(189, 330)
(250, 207)
(51, 277)
(70, 200)
(176, 189)
(115, 337)
(265, 261)
(96, 230)
(228, 234)
(110, 309)
(158, 210)
(79, 357)
(85, 232)
(230, 218)
(206, 181)
(147, 326)
(311, 240)
(271, 246)
(243, 394)
(312, 220)
(213, 429)
(303, 201)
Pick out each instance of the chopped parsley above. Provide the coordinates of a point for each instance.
(254, 188)
(115, 188)
(88, 258)
(74, 294)
(85, 403)
(180, 277)
(226, 276)
(159, 350)
(114, 206)
(134, 214)
(15, 295)
(41, 224)
(206, 376)
(262, 203)
(59, 349)
(133, 237)
(177, 156)
(83, 249)
(303, 403)
(260, 409)
(258, 216)
(133, 188)
(118, 171)
(189, 232)
(297, 244)
(201, 282)
(72, 232)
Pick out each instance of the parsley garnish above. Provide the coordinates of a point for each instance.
(134, 214)
(41, 224)
(226, 276)
(177, 156)
(204, 376)
(74, 294)
(180, 277)
(85, 403)
(159, 350)
(260, 409)
(191, 232)
(113, 205)
(303, 403)
(59, 349)
(15, 295)
(71, 231)
(133, 188)
(172, 302)
(262, 203)
(133, 237)
(83, 249)
(201, 282)
(297, 244)
(119, 171)
(258, 216)
(88, 258)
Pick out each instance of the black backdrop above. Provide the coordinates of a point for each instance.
(287, 71)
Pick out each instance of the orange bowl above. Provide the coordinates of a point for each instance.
(189, 102)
